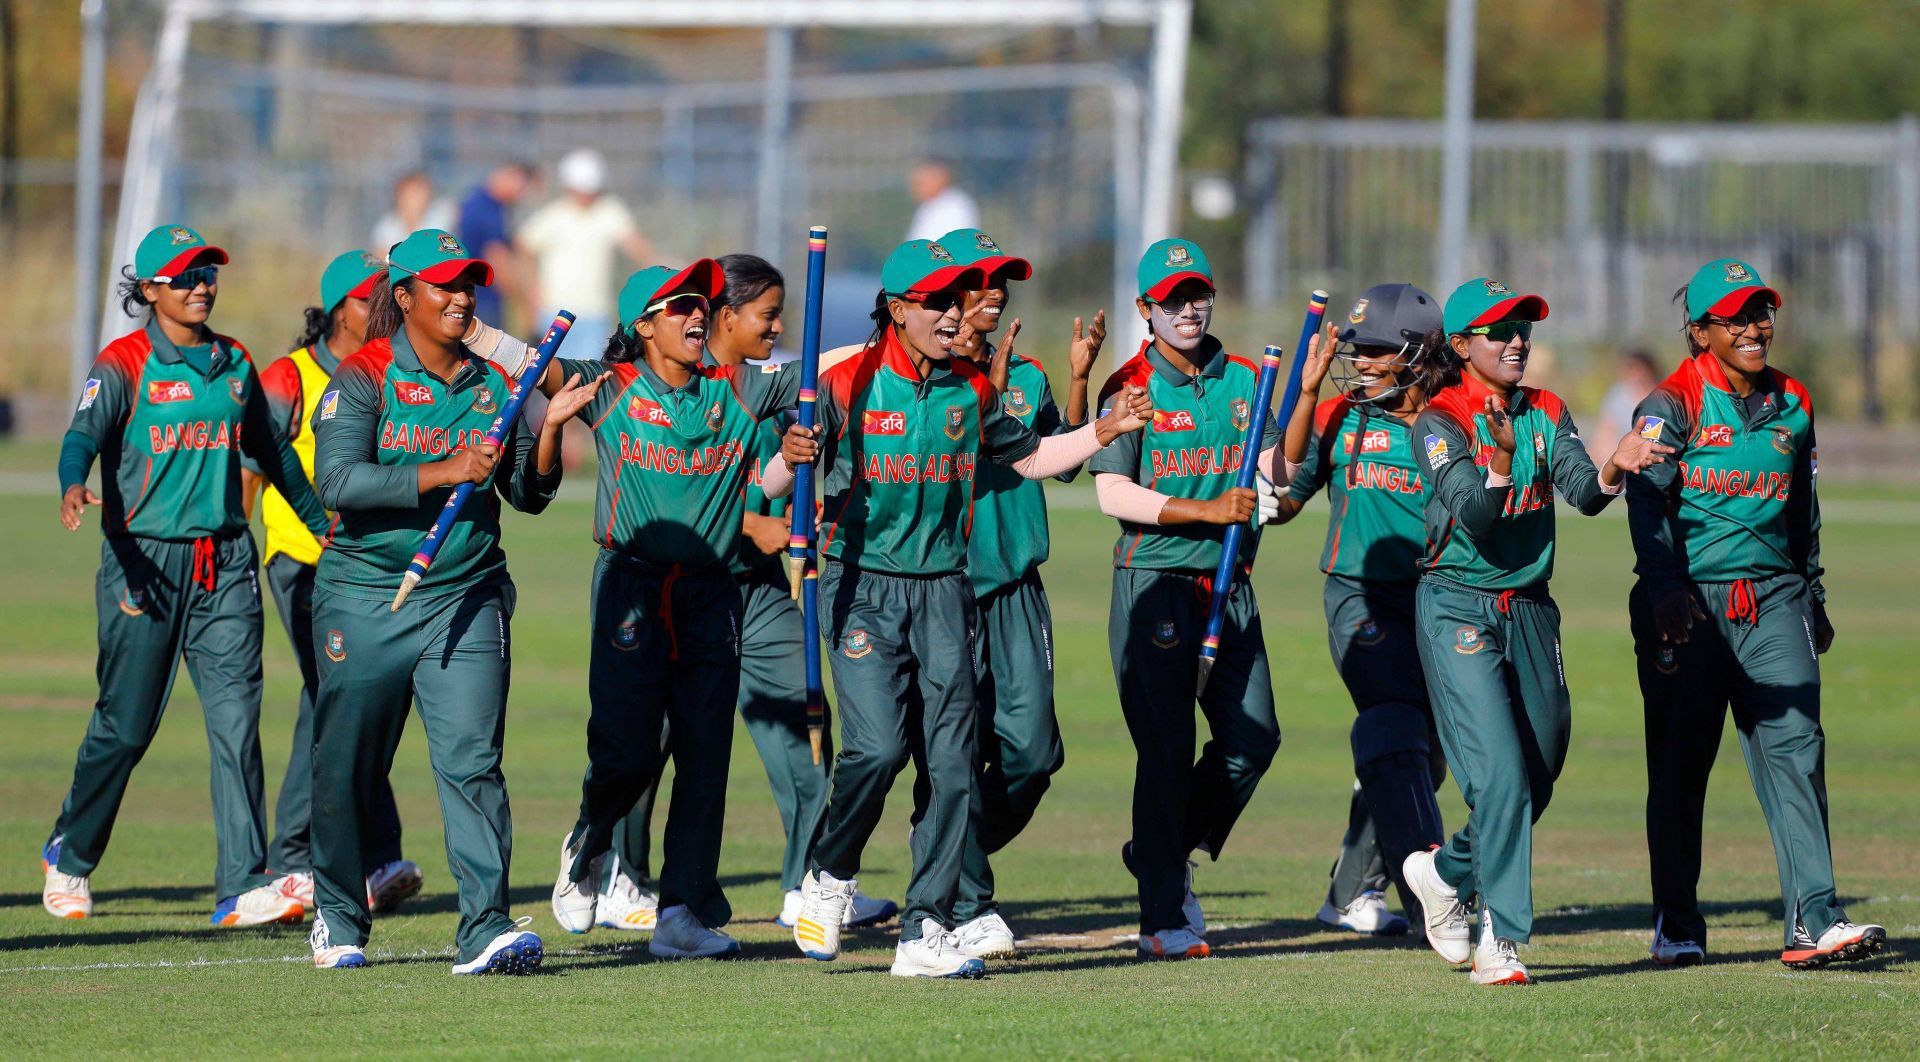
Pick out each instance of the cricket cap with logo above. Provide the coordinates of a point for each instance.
(1169, 262)
(1483, 300)
(918, 267)
(975, 248)
(1722, 286)
(435, 256)
(350, 276)
(170, 250)
(648, 286)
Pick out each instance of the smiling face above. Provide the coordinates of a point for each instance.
(1740, 342)
(438, 312)
(1185, 328)
(677, 331)
(1498, 365)
(753, 330)
(188, 300)
(985, 307)
(928, 325)
(1376, 371)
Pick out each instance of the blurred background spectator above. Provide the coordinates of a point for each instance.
(1635, 374)
(574, 242)
(414, 207)
(484, 228)
(943, 206)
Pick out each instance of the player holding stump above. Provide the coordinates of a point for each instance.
(1730, 610)
(168, 408)
(1494, 454)
(1019, 740)
(1172, 489)
(293, 385)
(904, 425)
(1359, 447)
(402, 423)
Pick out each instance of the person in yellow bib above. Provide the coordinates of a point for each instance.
(293, 385)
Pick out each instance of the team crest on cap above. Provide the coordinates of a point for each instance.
(1650, 428)
(626, 637)
(1368, 632)
(369, 260)
(985, 243)
(714, 416)
(857, 644)
(451, 245)
(956, 422)
(1783, 440)
(1667, 663)
(1467, 641)
(1242, 414)
(1494, 287)
(180, 235)
(483, 400)
(1737, 273)
(134, 601)
(938, 253)
(1165, 636)
(336, 646)
(1177, 255)
(1017, 402)
(1359, 312)
(238, 389)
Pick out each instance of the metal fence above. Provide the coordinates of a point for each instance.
(1605, 219)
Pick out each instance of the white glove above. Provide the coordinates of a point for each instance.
(1269, 497)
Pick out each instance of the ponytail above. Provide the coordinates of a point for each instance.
(1686, 330)
(881, 318)
(624, 347)
(383, 310)
(132, 299)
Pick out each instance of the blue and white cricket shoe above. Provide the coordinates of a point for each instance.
(936, 954)
(514, 952)
(330, 956)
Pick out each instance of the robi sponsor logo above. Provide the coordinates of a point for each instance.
(1377, 441)
(647, 411)
(883, 422)
(1714, 435)
(159, 391)
(412, 394)
(1167, 420)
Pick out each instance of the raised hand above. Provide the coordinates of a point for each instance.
(1500, 425)
(572, 397)
(1002, 364)
(1319, 361)
(1087, 342)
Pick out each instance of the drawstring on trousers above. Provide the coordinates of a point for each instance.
(203, 567)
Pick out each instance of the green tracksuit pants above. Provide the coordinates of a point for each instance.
(1396, 754)
(1018, 747)
(665, 659)
(773, 705)
(292, 848)
(1493, 668)
(160, 602)
(902, 658)
(1755, 654)
(1154, 630)
(450, 656)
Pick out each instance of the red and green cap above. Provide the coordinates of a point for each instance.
(1169, 262)
(1722, 286)
(350, 276)
(975, 248)
(1483, 300)
(648, 286)
(435, 256)
(922, 266)
(170, 250)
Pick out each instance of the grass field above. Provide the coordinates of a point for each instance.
(147, 975)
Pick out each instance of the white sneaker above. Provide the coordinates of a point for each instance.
(986, 937)
(626, 905)
(1674, 952)
(935, 954)
(823, 910)
(790, 902)
(1367, 914)
(392, 884)
(296, 886)
(1449, 927)
(1182, 943)
(679, 935)
(574, 901)
(864, 910)
(514, 952)
(330, 956)
(258, 906)
(67, 895)
(1496, 961)
(1842, 942)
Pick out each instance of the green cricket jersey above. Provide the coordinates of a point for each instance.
(1499, 538)
(1010, 536)
(1737, 500)
(170, 438)
(1191, 450)
(762, 447)
(900, 458)
(1365, 460)
(383, 415)
(674, 461)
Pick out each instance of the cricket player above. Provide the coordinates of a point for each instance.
(402, 422)
(336, 328)
(903, 428)
(1358, 446)
(168, 408)
(1172, 490)
(1729, 610)
(1493, 455)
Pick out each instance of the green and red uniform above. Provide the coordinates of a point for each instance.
(448, 649)
(1365, 461)
(1489, 633)
(899, 461)
(1732, 520)
(1162, 591)
(177, 579)
(666, 609)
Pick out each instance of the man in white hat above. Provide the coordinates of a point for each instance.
(573, 242)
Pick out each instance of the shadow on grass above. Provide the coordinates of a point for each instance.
(195, 894)
(1896, 957)
(294, 936)
(1086, 914)
(1606, 918)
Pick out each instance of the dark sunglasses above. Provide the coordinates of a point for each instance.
(678, 305)
(938, 301)
(1504, 331)
(193, 278)
(1174, 306)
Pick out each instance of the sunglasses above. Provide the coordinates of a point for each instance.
(1504, 331)
(677, 305)
(193, 278)
(1174, 306)
(937, 301)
